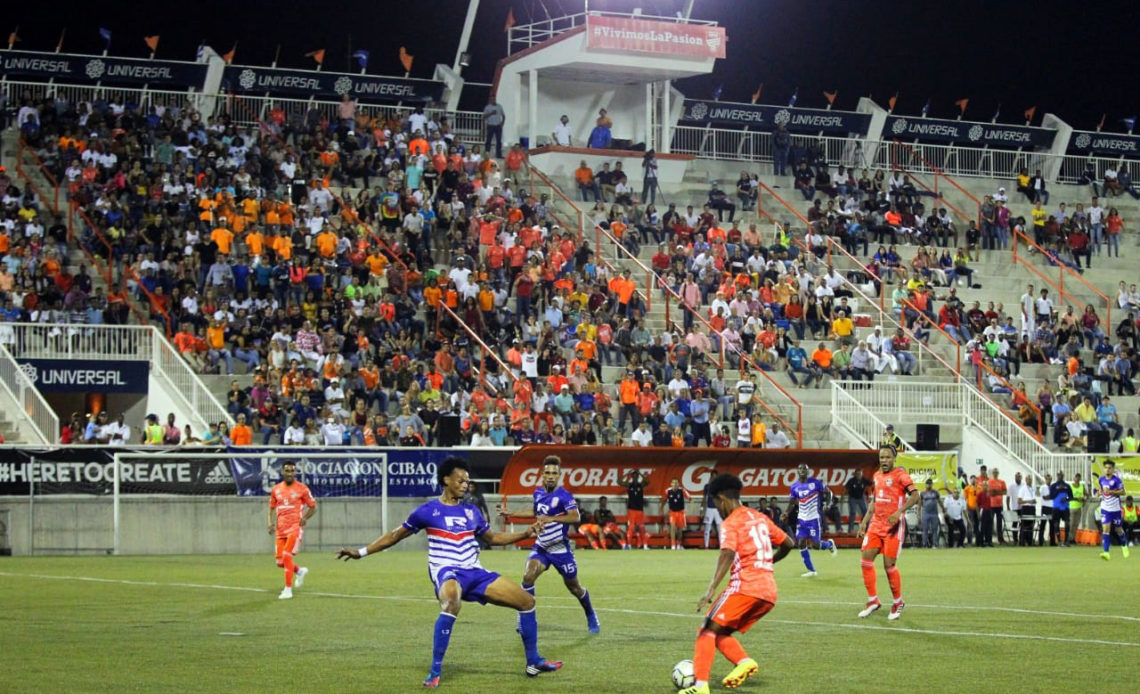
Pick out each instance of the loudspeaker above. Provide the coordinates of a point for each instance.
(1098, 441)
(926, 436)
(448, 431)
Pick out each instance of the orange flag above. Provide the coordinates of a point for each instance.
(830, 96)
(510, 19)
(229, 57)
(1030, 112)
(12, 39)
(151, 42)
(892, 101)
(756, 94)
(962, 103)
(406, 59)
(317, 55)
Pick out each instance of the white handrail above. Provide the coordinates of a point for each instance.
(198, 398)
(851, 416)
(35, 418)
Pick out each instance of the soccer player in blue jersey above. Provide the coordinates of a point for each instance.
(554, 509)
(807, 493)
(453, 530)
(1111, 489)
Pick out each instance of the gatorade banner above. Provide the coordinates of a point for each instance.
(593, 470)
(941, 468)
(1127, 468)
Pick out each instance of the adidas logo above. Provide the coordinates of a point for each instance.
(220, 474)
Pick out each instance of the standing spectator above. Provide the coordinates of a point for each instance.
(856, 486)
(562, 133)
(984, 529)
(997, 491)
(1061, 494)
(649, 178)
(954, 508)
(1026, 499)
(930, 504)
(781, 145)
(493, 117)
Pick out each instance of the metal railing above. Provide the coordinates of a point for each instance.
(72, 341)
(250, 111)
(36, 420)
(1063, 271)
(170, 366)
(856, 420)
(725, 144)
(15, 91)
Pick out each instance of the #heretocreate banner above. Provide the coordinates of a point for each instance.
(594, 470)
(649, 36)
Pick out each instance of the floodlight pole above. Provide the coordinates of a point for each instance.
(465, 37)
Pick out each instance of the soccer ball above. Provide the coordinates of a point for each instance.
(683, 675)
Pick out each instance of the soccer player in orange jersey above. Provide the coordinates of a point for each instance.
(286, 519)
(894, 494)
(747, 538)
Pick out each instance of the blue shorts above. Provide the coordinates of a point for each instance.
(1112, 518)
(472, 582)
(563, 562)
(809, 529)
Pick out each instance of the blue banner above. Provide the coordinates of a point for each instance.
(89, 69)
(87, 375)
(328, 85)
(965, 132)
(765, 117)
(1112, 144)
(411, 471)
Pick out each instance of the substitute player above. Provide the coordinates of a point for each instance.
(555, 508)
(894, 494)
(746, 547)
(675, 498)
(807, 493)
(286, 500)
(453, 530)
(1111, 489)
(635, 484)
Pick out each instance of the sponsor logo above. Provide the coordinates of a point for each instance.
(712, 40)
(31, 372)
(220, 474)
(247, 79)
(975, 133)
(783, 116)
(343, 85)
(1083, 140)
(78, 377)
(95, 68)
(698, 111)
(899, 126)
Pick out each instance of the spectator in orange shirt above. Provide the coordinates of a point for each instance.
(584, 176)
(241, 434)
(821, 359)
(628, 391)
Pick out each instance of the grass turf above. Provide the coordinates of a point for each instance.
(214, 624)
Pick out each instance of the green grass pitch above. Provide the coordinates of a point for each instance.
(999, 620)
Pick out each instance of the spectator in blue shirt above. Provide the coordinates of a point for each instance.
(499, 431)
(797, 364)
(1106, 416)
(699, 409)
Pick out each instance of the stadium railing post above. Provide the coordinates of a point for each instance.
(31, 505)
(116, 464)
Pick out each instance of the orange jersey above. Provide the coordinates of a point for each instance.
(288, 500)
(751, 535)
(891, 491)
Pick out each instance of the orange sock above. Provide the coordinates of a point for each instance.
(731, 648)
(703, 654)
(290, 569)
(869, 578)
(895, 580)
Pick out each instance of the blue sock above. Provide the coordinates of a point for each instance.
(806, 554)
(443, 626)
(1106, 540)
(584, 601)
(529, 588)
(528, 629)
(827, 544)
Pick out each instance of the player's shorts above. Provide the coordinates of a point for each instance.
(590, 529)
(1113, 518)
(677, 519)
(808, 529)
(472, 582)
(612, 528)
(288, 543)
(888, 544)
(635, 518)
(563, 562)
(738, 612)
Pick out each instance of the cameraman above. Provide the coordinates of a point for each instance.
(649, 178)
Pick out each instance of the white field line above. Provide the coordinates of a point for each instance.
(649, 613)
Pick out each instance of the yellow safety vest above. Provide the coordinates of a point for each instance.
(1130, 514)
(154, 434)
(1130, 444)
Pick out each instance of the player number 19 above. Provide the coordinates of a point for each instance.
(759, 534)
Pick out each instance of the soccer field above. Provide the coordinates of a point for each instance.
(998, 620)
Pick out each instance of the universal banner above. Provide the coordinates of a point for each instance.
(87, 375)
(630, 35)
(764, 117)
(1110, 144)
(965, 132)
(91, 470)
(593, 470)
(328, 85)
(89, 69)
